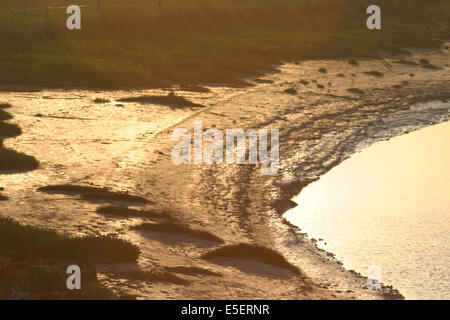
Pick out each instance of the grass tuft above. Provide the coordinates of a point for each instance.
(252, 252)
(292, 91)
(198, 41)
(10, 159)
(174, 228)
(9, 130)
(22, 240)
(373, 73)
(124, 211)
(4, 115)
(93, 193)
(13, 160)
(304, 82)
(170, 100)
(355, 90)
(100, 100)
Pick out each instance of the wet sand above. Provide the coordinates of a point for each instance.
(126, 146)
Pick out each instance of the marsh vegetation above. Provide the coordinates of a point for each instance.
(193, 41)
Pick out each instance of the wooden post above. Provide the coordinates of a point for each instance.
(159, 4)
(99, 5)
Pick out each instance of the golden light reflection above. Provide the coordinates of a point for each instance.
(388, 206)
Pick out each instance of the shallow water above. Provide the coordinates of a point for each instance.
(388, 207)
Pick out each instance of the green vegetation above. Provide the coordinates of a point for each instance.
(4, 115)
(19, 240)
(426, 64)
(353, 62)
(45, 281)
(407, 62)
(174, 228)
(170, 100)
(373, 73)
(100, 100)
(93, 193)
(133, 43)
(355, 90)
(34, 261)
(13, 160)
(9, 130)
(10, 159)
(252, 252)
(124, 211)
(292, 91)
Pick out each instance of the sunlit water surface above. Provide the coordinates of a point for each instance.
(388, 206)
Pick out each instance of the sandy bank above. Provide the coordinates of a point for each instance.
(321, 122)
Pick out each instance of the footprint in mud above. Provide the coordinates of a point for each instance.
(94, 194)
